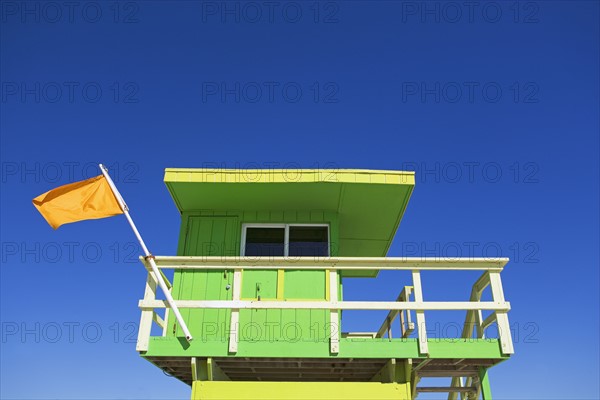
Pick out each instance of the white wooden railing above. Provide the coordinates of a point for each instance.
(400, 308)
(475, 321)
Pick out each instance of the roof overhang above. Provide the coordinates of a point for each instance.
(370, 204)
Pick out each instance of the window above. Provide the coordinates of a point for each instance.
(265, 242)
(308, 241)
(285, 240)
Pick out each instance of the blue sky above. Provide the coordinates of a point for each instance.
(495, 105)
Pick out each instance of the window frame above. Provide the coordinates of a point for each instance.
(286, 235)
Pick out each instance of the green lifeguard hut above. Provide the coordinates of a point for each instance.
(259, 275)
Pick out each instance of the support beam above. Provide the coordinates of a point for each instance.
(159, 321)
(422, 364)
(504, 333)
(166, 320)
(214, 372)
(484, 382)
(470, 321)
(487, 322)
(406, 324)
(194, 366)
(421, 328)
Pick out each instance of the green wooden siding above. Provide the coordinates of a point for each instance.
(206, 236)
(211, 233)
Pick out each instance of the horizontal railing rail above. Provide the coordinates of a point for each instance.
(331, 305)
(331, 263)
(401, 307)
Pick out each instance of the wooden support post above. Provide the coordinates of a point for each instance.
(414, 381)
(421, 329)
(471, 319)
(403, 322)
(194, 369)
(166, 318)
(406, 324)
(504, 333)
(147, 315)
(334, 321)
(456, 382)
(235, 312)
(484, 384)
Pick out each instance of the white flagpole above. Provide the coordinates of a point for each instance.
(149, 257)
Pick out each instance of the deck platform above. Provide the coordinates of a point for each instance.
(318, 369)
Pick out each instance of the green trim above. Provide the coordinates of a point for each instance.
(349, 348)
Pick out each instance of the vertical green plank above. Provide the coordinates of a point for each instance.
(189, 277)
(214, 279)
(177, 274)
(261, 216)
(287, 318)
(290, 217)
(276, 216)
(303, 216)
(316, 216)
(202, 238)
(261, 321)
(210, 236)
(332, 219)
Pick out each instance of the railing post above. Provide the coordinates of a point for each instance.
(421, 329)
(504, 334)
(235, 312)
(146, 317)
(334, 328)
(166, 318)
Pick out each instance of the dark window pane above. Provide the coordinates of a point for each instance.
(308, 241)
(265, 242)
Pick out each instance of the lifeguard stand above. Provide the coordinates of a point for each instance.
(259, 274)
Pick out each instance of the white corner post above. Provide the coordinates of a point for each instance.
(421, 329)
(234, 325)
(148, 256)
(147, 315)
(504, 332)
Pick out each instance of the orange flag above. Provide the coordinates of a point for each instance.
(77, 201)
